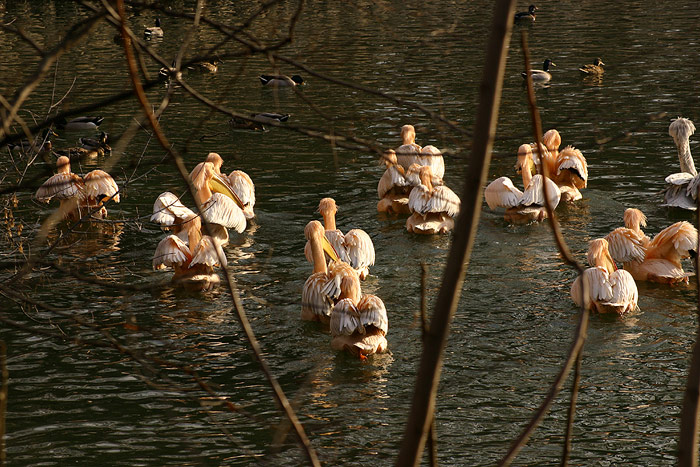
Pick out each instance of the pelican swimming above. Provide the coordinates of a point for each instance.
(409, 152)
(358, 322)
(682, 187)
(658, 260)
(323, 288)
(154, 31)
(79, 195)
(171, 214)
(193, 260)
(528, 15)
(530, 205)
(281, 81)
(610, 290)
(593, 69)
(355, 247)
(540, 76)
(243, 186)
(393, 187)
(433, 207)
(568, 168)
(220, 206)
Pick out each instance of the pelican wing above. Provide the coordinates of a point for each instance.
(679, 178)
(345, 319)
(445, 200)
(99, 183)
(222, 210)
(171, 251)
(599, 287)
(336, 272)
(625, 245)
(408, 154)
(168, 210)
(432, 157)
(207, 251)
(60, 186)
(412, 176)
(337, 241)
(373, 312)
(534, 193)
(501, 193)
(624, 290)
(243, 186)
(572, 159)
(392, 177)
(419, 199)
(674, 243)
(314, 302)
(359, 249)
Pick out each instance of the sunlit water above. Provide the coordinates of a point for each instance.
(85, 405)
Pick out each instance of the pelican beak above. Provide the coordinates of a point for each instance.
(329, 250)
(217, 184)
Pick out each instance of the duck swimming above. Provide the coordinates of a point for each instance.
(528, 15)
(595, 69)
(79, 123)
(281, 80)
(540, 76)
(154, 31)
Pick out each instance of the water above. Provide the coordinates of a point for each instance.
(70, 403)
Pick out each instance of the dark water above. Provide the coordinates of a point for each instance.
(74, 404)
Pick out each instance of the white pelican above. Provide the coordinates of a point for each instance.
(433, 207)
(543, 75)
(393, 188)
(355, 247)
(610, 290)
(243, 186)
(594, 69)
(323, 287)
(171, 214)
(568, 169)
(194, 260)
(658, 260)
(409, 152)
(358, 322)
(154, 31)
(682, 187)
(523, 207)
(281, 80)
(220, 206)
(432, 157)
(79, 195)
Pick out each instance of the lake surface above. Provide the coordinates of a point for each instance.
(85, 405)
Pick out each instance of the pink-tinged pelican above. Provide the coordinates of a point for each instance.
(79, 195)
(610, 290)
(658, 260)
(682, 187)
(221, 207)
(172, 215)
(568, 168)
(355, 247)
(323, 287)
(433, 207)
(194, 260)
(523, 207)
(409, 152)
(242, 185)
(393, 188)
(358, 322)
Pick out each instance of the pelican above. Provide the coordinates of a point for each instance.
(171, 214)
(658, 260)
(432, 157)
(281, 81)
(242, 185)
(543, 75)
(154, 31)
(79, 123)
(681, 188)
(355, 247)
(194, 260)
(528, 206)
(409, 152)
(358, 322)
(610, 290)
(433, 207)
(528, 15)
(78, 195)
(324, 286)
(568, 169)
(220, 206)
(593, 69)
(393, 188)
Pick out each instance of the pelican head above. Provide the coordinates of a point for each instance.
(634, 218)
(327, 206)
(681, 129)
(215, 159)
(426, 176)
(525, 159)
(552, 139)
(204, 177)
(315, 233)
(599, 255)
(350, 288)
(63, 165)
(408, 134)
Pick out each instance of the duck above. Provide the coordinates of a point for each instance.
(193, 259)
(393, 187)
(355, 247)
(206, 66)
(79, 195)
(358, 322)
(528, 15)
(257, 121)
(681, 187)
(98, 144)
(322, 289)
(281, 80)
(594, 69)
(172, 215)
(40, 145)
(79, 123)
(543, 75)
(656, 260)
(154, 31)
(530, 205)
(220, 206)
(433, 207)
(610, 290)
